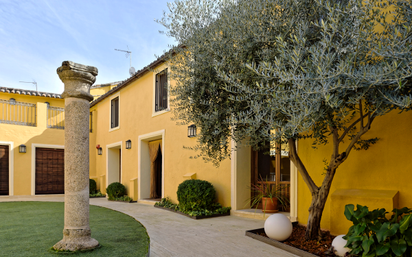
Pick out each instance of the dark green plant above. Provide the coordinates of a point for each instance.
(196, 195)
(124, 198)
(215, 208)
(92, 186)
(97, 194)
(115, 190)
(372, 234)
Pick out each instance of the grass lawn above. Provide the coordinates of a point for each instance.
(32, 228)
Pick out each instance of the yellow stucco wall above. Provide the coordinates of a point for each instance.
(28, 135)
(137, 118)
(384, 166)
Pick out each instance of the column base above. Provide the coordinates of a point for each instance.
(76, 240)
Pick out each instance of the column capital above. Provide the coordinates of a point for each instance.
(77, 79)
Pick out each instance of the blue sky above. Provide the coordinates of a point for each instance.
(37, 36)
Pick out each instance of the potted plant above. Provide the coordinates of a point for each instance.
(269, 195)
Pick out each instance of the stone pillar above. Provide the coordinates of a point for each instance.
(77, 80)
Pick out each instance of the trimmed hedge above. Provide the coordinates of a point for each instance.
(92, 186)
(196, 195)
(115, 190)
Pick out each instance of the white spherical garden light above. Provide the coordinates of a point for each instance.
(278, 227)
(339, 246)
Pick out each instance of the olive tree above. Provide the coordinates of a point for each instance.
(320, 70)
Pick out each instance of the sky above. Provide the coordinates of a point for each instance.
(36, 36)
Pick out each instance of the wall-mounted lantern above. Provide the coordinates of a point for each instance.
(22, 149)
(99, 151)
(129, 144)
(191, 131)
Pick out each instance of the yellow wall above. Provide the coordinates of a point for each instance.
(96, 92)
(136, 110)
(384, 166)
(27, 135)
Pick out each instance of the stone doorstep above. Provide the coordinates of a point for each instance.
(254, 234)
(255, 214)
(148, 202)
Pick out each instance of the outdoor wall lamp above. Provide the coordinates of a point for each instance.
(191, 131)
(99, 151)
(22, 149)
(129, 144)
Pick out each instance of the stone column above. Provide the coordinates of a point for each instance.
(77, 80)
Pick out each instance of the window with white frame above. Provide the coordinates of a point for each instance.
(114, 113)
(161, 91)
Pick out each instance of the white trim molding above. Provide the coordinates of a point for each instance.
(33, 162)
(11, 165)
(160, 134)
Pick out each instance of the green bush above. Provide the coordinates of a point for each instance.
(372, 234)
(196, 195)
(115, 190)
(92, 186)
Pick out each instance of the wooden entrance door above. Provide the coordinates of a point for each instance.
(4, 169)
(49, 171)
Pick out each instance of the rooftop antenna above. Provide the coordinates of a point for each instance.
(34, 82)
(132, 70)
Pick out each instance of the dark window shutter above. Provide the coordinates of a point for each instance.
(161, 91)
(157, 92)
(114, 115)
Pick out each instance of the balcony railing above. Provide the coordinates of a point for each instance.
(17, 113)
(55, 117)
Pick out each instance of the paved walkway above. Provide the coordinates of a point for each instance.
(172, 234)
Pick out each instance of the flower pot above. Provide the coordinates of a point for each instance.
(269, 205)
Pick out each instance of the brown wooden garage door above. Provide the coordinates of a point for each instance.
(49, 171)
(4, 169)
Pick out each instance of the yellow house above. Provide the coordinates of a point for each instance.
(31, 142)
(137, 112)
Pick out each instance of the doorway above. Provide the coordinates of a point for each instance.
(114, 164)
(272, 167)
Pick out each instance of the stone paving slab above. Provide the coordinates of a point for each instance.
(172, 234)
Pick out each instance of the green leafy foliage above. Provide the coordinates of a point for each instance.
(372, 234)
(97, 194)
(196, 195)
(92, 186)
(115, 190)
(214, 209)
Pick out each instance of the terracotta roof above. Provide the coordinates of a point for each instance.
(28, 92)
(137, 75)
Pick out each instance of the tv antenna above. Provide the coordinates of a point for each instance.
(34, 82)
(132, 70)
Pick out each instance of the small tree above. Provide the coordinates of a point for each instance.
(319, 69)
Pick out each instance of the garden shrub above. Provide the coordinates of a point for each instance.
(196, 195)
(92, 186)
(115, 190)
(372, 234)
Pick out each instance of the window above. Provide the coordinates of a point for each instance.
(161, 91)
(91, 122)
(114, 115)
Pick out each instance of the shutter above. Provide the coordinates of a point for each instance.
(112, 115)
(164, 90)
(157, 92)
